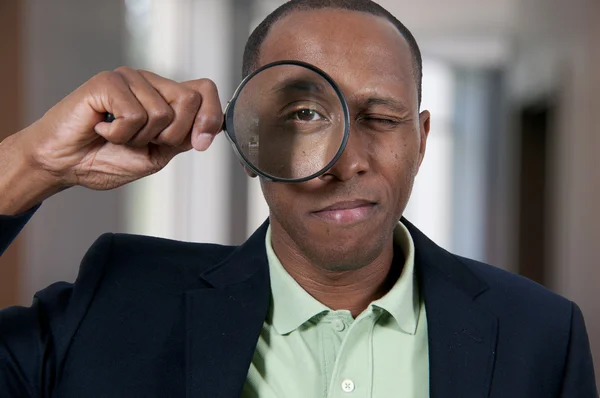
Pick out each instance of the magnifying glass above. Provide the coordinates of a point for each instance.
(288, 121)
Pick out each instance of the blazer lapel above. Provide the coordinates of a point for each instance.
(462, 334)
(225, 320)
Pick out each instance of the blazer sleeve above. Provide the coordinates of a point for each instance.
(10, 226)
(34, 340)
(579, 379)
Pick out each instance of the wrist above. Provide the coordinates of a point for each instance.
(22, 184)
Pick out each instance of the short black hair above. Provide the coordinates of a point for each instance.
(252, 50)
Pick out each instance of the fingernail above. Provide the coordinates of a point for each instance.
(203, 141)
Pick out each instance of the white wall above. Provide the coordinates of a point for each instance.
(189, 199)
(431, 202)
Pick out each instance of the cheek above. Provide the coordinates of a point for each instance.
(397, 162)
(279, 196)
(398, 154)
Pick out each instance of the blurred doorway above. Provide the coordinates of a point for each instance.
(534, 121)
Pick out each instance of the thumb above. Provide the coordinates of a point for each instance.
(209, 119)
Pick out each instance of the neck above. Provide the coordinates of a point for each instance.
(351, 290)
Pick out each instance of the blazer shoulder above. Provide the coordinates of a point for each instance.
(142, 260)
(510, 292)
(152, 259)
(128, 271)
(138, 247)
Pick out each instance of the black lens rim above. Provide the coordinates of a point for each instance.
(229, 113)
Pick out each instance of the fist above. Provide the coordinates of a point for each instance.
(155, 119)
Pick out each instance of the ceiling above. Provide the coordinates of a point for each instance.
(466, 32)
(470, 32)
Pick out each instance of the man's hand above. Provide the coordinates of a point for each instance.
(155, 119)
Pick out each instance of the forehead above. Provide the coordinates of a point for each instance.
(363, 53)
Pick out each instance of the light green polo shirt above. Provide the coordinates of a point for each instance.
(307, 350)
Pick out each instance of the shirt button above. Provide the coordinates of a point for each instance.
(347, 385)
(338, 325)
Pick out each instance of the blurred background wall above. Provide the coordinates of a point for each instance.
(511, 175)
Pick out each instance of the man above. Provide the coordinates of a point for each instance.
(332, 297)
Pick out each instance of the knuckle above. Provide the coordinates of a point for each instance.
(136, 117)
(191, 99)
(207, 84)
(145, 73)
(107, 78)
(162, 117)
(102, 75)
(123, 70)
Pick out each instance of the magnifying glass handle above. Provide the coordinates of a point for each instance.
(109, 118)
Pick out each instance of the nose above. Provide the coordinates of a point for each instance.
(354, 160)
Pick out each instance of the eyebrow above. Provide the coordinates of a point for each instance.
(300, 85)
(389, 102)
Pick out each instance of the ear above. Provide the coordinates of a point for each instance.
(249, 172)
(424, 126)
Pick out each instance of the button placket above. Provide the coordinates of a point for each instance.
(349, 375)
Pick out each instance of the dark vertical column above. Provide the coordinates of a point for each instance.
(10, 115)
(533, 226)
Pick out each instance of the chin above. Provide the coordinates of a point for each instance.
(350, 260)
(344, 253)
(336, 246)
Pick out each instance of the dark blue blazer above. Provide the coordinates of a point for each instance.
(150, 317)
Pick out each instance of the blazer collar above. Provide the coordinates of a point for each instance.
(462, 333)
(224, 320)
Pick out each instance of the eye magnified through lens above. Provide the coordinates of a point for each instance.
(288, 122)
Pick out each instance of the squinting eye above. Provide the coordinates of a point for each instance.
(382, 121)
(306, 115)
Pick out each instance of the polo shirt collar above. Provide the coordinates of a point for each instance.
(291, 306)
(402, 302)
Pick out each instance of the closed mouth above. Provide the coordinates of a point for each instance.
(347, 205)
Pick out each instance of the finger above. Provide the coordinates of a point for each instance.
(109, 92)
(160, 114)
(168, 152)
(184, 101)
(209, 120)
(186, 145)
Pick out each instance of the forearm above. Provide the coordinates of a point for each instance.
(22, 186)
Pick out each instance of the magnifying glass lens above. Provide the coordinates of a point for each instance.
(288, 122)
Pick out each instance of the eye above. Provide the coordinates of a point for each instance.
(306, 115)
(383, 122)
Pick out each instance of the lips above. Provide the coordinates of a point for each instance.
(347, 205)
(347, 212)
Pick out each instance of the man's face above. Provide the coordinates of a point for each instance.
(344, 219)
